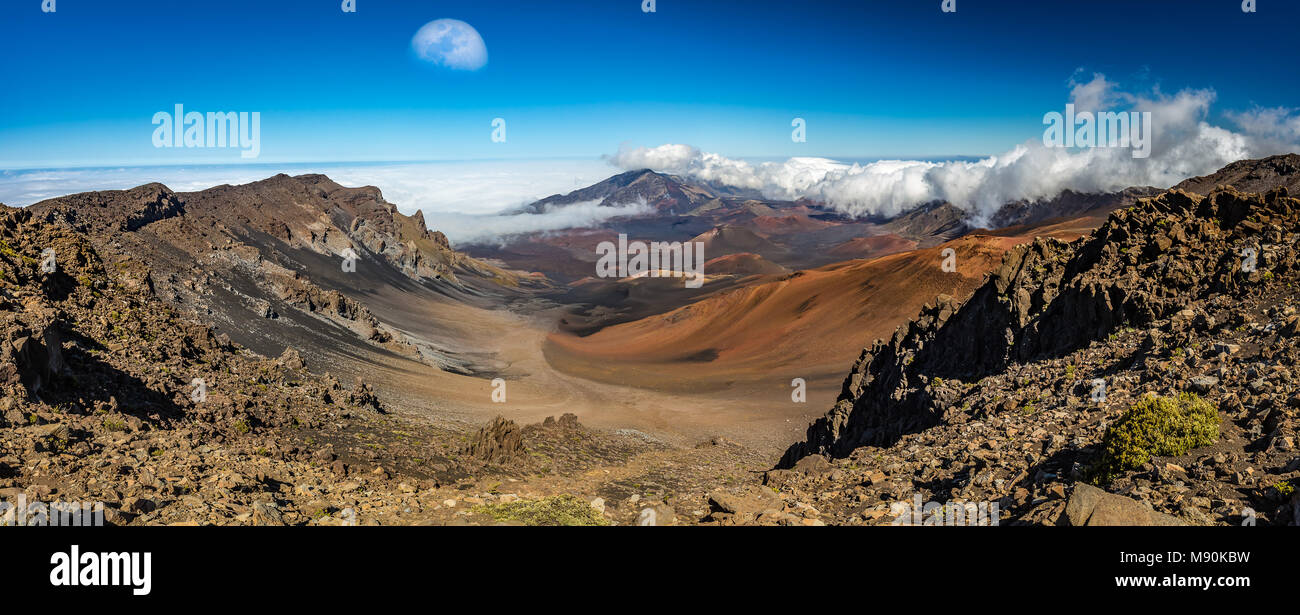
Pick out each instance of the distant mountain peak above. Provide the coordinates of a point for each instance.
(660, 191)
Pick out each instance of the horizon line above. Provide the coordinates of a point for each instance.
(143, 165)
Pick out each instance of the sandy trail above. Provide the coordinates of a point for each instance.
(762, 418)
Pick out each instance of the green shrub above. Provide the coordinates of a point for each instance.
(1284, 487)
(1164, 426)
(556, 510)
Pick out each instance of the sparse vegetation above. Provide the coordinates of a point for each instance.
(556, 510)
(1163, 426)
(1285, 488)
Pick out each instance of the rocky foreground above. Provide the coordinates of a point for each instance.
(1014, 397)
(109, 395)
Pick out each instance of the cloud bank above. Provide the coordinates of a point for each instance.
(459, 198)
(1185, 145)
(497, 228)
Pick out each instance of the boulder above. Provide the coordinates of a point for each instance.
(1089, 505)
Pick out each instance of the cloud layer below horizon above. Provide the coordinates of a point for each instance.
(1184, 145)
(465, 200)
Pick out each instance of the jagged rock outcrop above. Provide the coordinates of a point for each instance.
(1049, 298)
(1262, 175)
(31, 357)
(499, 442)
(114, 210)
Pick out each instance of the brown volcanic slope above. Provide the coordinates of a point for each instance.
(794, 234)
(930, 224)
(264, 263)
(743, 264)
(806, 324)
(798, 222)
(423, 325)
(809, 323)
(1068, 204)
(1250, 176)
(753, 339)
(725, 240)
(873, 246)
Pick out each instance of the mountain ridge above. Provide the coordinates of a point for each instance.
(266, 261)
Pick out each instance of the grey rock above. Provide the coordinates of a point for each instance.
(1204, 384)
(1090, 506)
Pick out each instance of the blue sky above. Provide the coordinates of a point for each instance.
(577, 79)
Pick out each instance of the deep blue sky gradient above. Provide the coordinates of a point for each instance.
(577, 78)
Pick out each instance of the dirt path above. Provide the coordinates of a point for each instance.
(764, 420)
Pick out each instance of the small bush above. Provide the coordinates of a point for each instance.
(1284, 487)
(556, 510)
(1164, 426)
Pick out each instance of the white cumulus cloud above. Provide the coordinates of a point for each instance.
(1184, 144)
(497, 228)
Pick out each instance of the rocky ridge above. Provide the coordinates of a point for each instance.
(276, 250)
(995, 399)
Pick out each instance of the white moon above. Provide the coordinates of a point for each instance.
(450, 43)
